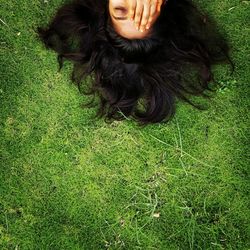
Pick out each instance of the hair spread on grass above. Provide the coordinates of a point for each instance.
(140, 78)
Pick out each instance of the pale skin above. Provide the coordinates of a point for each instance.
(133, 19)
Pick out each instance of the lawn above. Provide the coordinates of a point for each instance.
(69, 181)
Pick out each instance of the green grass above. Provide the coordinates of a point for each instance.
(71, 182)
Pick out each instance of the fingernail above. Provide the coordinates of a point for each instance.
(147, 27)
(137, 27)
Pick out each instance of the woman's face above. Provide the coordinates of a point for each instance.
(118, 10)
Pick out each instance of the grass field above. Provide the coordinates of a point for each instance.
(70, 182)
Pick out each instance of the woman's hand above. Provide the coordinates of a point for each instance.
(142, 12)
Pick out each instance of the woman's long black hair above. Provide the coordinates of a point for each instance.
(142, 77)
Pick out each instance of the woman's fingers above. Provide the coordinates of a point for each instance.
(145, 17)
(143, 11)
(159, 5)
(152, 13)
(132, 7)
(138, 14)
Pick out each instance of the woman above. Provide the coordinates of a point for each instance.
(138, 66)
